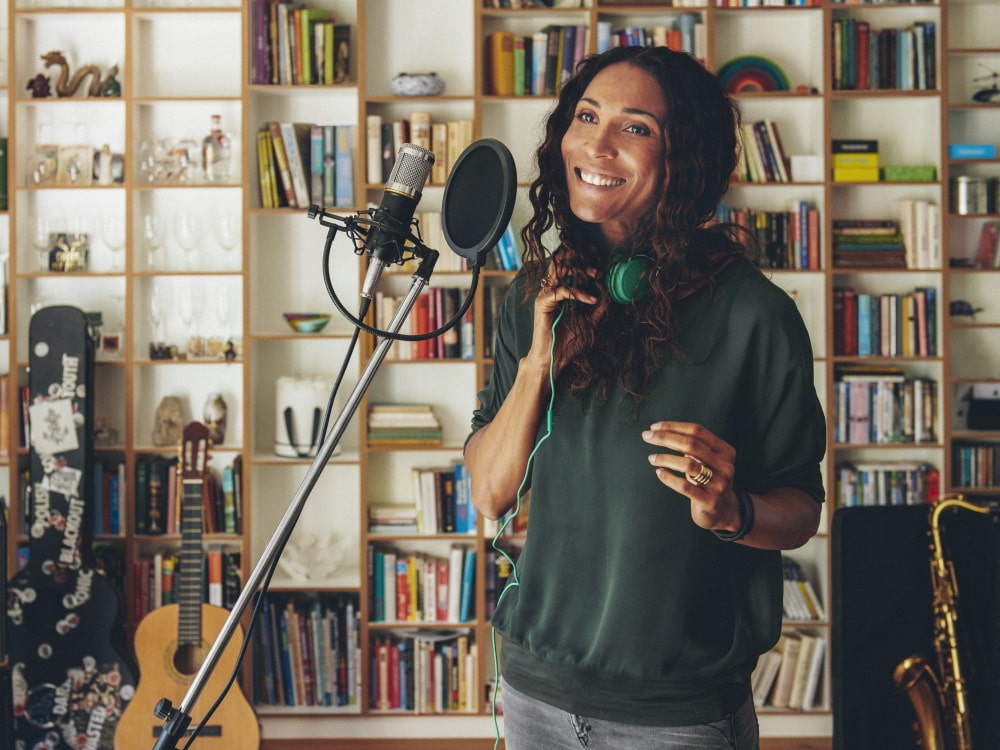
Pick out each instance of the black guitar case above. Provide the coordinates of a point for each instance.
(71, 681)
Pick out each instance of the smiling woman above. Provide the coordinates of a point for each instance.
(671, 438)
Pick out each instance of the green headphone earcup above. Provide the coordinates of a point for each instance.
(627, 281)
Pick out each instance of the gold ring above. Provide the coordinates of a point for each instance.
(703, 477)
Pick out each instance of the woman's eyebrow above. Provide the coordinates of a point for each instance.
(628, 110)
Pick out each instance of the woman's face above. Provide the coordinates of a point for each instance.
(615, 150)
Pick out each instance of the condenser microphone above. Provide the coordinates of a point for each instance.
(390, 224)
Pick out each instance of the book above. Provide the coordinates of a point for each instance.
(283, 167)
(501, 50)
(811, 692)
(317, 154)
(789, 645)
(296, 139)
(373, 149)
(803, 667)
(344, 166)
(762, 679)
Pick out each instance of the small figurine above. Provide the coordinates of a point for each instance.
(39, 87)
(66, 86)
(214, 416)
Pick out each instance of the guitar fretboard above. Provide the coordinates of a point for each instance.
(190, 585)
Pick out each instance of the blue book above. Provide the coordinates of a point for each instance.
(286, 660)
(468, 584)
(378, 586)
(344, 166)
(462, 510)
(97, 498)
(115, 502)
(267, 655)
(320, 648)
(864, 325)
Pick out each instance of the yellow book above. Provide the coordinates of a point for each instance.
(501, 45)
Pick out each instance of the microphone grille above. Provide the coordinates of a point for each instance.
(409, 173)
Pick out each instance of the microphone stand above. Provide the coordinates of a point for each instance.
(177, 720)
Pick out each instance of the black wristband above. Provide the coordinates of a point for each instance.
(746, 514)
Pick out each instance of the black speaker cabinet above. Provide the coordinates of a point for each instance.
(883, 612)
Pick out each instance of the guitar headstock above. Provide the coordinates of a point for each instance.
(195, 444)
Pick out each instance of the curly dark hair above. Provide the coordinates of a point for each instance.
(688, 248)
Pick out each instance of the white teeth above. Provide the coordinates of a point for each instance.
(593, 179)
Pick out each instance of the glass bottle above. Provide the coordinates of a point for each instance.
(216, 153)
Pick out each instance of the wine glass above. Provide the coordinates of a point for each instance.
(187, 229)
(188, 307)
(113, 232)
(42, 226)
(153, 232)
(227, 234)
(157, 304)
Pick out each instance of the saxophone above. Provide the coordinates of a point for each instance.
(940, 700)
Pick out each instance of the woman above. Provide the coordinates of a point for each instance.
(671, 441)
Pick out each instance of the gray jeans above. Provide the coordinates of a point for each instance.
(532, 725)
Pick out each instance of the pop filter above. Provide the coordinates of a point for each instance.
(478, 199)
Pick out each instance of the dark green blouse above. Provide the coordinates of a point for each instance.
(626, 610)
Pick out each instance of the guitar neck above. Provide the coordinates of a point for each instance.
(190, 585)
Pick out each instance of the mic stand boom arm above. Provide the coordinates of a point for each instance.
(176, 720)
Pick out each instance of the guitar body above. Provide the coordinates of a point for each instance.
(167, 669)
(69, 677)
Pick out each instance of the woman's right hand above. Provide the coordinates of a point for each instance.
(554, 293)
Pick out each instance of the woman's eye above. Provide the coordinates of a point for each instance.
(585, 116)
(638, 129)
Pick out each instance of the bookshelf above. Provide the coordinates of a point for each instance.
(178, 65)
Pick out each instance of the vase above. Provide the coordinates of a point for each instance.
(214, 417)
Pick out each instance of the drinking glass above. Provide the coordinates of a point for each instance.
(187, 229)
(153, 232)
(113, 233)
(227, 233)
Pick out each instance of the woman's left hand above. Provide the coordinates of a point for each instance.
(700, 466)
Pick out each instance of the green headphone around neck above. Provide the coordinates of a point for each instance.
(627, 280)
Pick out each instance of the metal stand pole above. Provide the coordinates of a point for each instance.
(176, 720)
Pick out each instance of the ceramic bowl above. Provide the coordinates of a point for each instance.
(307, 322)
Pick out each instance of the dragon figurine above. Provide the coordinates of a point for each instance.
(66, 86)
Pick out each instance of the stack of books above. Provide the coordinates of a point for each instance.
(855, 160)
(868, 243)
(410, 424)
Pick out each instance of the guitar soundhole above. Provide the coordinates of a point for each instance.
(188, 658)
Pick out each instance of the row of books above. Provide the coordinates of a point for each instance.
(294, 44)
(409, 424)
(442, 504)
(419, 587)
(789, 675)
(158, 497)
(893, 58)
(787, 239)
(886, 483)
(433, 308)
(154, 580)
(975, 464)
(762, 158)
(536, 64)
(308, 652)
(887, 325)
(879, 406)
(301, 164)
(800, 601)
(446, 139)
(425, 672)
(920, 225)
(686, 33)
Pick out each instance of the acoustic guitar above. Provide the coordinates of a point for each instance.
(172, 640)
